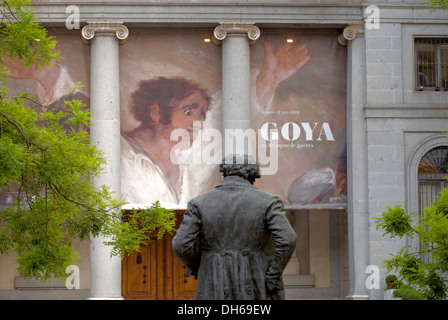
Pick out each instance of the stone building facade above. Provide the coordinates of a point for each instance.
(391, 120)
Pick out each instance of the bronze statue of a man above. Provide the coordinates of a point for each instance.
(236, 239)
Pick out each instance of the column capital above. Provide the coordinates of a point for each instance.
(92, 28)
(221, 31)
(350, 32)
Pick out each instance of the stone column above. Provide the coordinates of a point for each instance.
(104, 38)
(236, 86)
(358, 210)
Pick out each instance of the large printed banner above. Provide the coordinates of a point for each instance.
(170, 83)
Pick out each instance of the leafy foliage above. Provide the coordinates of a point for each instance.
(437, 4)
(432, 230)
(406, 292)
(395, 222)
(392, 282)
(47, 163)
(22, 38)
(137, 225)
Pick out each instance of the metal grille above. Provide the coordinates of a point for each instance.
(430, 186)
(431, 63)
(432, 178)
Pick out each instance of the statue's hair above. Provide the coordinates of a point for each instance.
(242, 166)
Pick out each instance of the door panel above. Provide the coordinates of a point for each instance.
(155, 273)
(183, 287)
(139, 271)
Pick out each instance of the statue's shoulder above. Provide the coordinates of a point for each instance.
(268, 197)
(204, 196)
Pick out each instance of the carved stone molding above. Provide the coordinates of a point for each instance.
(350, 33)
(92, 28)
(221, 31)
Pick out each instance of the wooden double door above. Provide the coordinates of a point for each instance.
(155, 273)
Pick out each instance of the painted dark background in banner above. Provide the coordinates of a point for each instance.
(312, 104)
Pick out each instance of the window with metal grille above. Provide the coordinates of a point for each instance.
(431, 63)
(432, 173)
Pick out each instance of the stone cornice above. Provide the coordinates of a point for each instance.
(405, 111)
(204, 13)
(142, 13)
(93, 28)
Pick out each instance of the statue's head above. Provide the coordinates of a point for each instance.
(240, 165)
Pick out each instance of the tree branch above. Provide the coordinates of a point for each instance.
(17, 126)
(82, 205)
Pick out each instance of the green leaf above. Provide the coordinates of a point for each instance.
(395, 222)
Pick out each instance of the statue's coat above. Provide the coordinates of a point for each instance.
(237, 241)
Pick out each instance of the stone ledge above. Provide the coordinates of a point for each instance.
(21, 283)
(42, 294)
(299, 280)
(419, 111)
